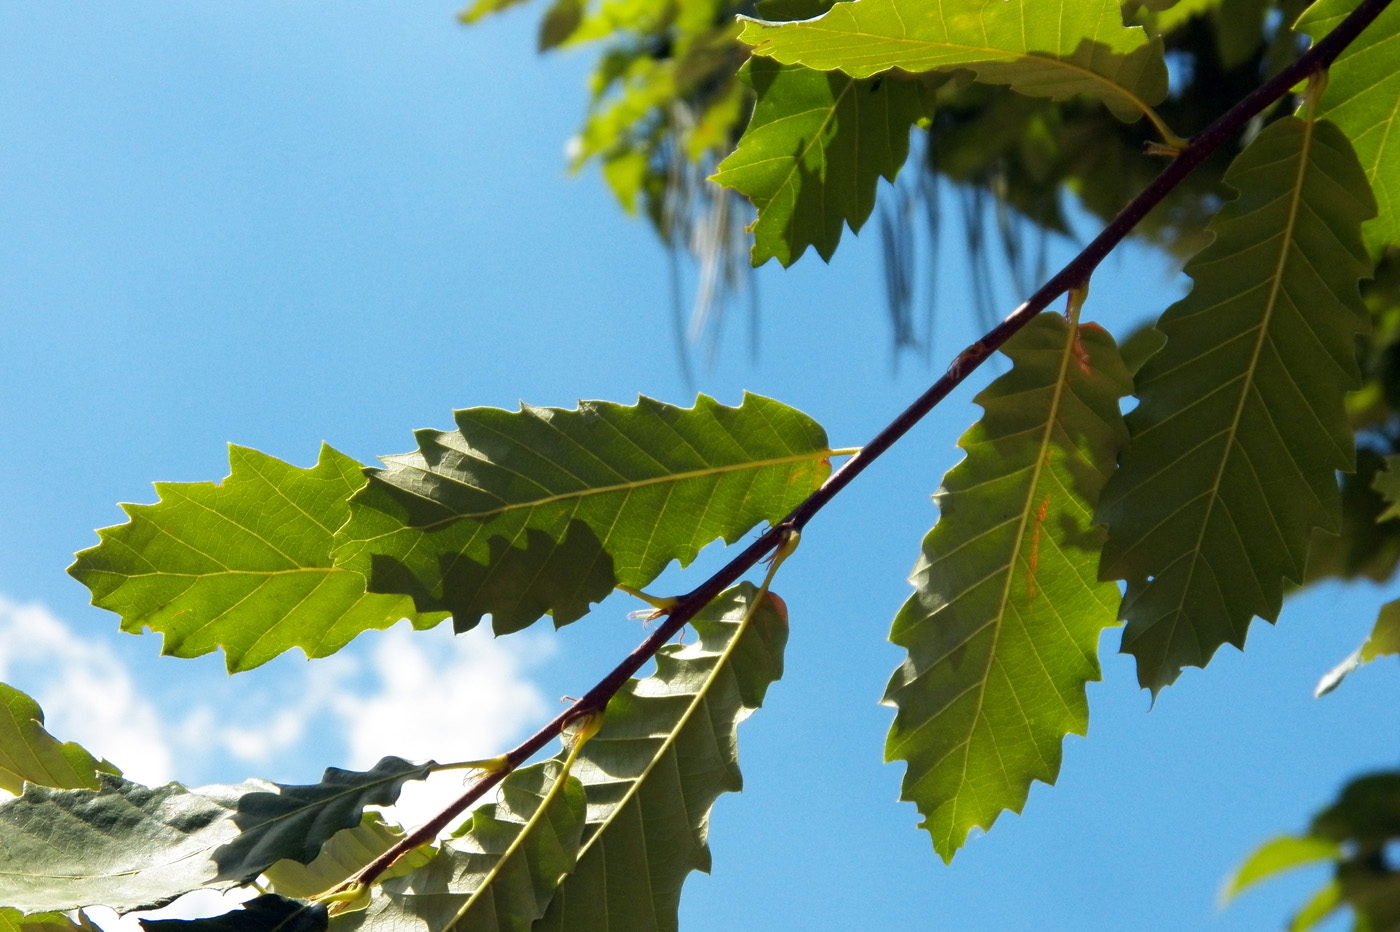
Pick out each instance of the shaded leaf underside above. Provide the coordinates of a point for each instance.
(244, 564)
(1044, 48)
(131, 847)
(1241, 428)
(667, 750)
(813, 151)
(1002, 630)
(545, 510)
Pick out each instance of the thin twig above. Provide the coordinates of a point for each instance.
(1075, 274)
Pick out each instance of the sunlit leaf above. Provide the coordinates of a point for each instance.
(132, 847)
(1387, 482)
(544, 510)
(28, 752)
(244, 564)
(1003, 628)
(1241, 429)
(347, 851)
(816, 146)
(12, 920)
(1363, 86)
(266, 913)
(667, 750)
(483, 8)
(497, 875)
(1044, 49)
(1384, 640)
(1275, 856)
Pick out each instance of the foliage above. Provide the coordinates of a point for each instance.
(1210, 499)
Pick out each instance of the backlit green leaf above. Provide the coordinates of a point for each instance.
(545, 510)
(498, 874)
(12, 920)
(244, 564)
(1241, 429)
(1363, 87)
(816, 146)
(347, 851)
(28, 752)
(1384, 640)
(666, 751)
(1276, 856)
(1003, 628)
(132, 847)
(1044, 49)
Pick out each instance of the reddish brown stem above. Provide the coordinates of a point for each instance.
(1075, 273)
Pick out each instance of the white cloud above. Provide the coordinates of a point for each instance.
(88, 695)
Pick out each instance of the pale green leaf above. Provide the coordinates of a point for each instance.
(483, 8)
(132, 847)
(498, 875)
(1384, 640)
(667, 750)
(545, 510)
(266, 913)
(816, 146)
(1043, 48)
(28, 752)
(244, 564)
(1003, 628)
(347, 851)
(1241, 429)
(1326, 901)
(1276, 856)
(1363, 98)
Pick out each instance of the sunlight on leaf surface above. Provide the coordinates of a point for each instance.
(28, 752)
(1044, 48)
(1241, 429)
(244, 564)
(1003, 628)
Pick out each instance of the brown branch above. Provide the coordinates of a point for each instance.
(1074, 274)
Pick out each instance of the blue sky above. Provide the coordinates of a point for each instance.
(277, 224)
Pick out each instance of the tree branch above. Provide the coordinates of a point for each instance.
(1075, 274)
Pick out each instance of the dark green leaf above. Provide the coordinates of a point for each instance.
(667, 749)
(266, 913)
(519, 513)
(1387, 482)
(1241, 428)
(816, 146)
(498, 874)
(1362, 87)
(244, 564)
(131, 847)
(1003, 628)
(28, 752)
(1037, 49)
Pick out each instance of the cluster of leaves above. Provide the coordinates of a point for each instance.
(1203, 502)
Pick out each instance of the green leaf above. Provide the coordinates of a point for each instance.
(266, 913)
(1363, 86)
(560, 22)
(1384, 640)
(12, 920)
(1323, 903)
(1039, 49)
(484, 8)
(1003, 628)
(132, 847)
(1387, 482)
(244, 565)
(1241, 429)
(497, 875)
(1276, 856)
(28, 752)
(545, 510)
(347, 851)
(816, 146)
(666, 751)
